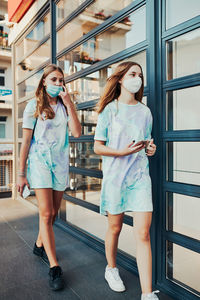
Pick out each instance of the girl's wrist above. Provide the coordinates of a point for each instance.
(120, 153)
(69, 104)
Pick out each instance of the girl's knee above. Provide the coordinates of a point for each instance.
(115, 229)
(143, 235)
(46, 217)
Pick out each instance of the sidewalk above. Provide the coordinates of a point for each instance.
(24, 276)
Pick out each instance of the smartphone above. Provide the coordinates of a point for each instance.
(144, 142)
(26, 192)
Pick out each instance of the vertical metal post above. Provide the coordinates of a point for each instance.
(53, 31)
(153, 99)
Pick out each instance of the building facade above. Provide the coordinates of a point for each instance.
(87, 39)
(6, 132)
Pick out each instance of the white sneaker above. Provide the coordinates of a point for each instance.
(150, 296)
(114, 280)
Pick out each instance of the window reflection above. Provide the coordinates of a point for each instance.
(33, 37)
(88, 118)
(179, 63)
(19, 130)
(179, 108)
(96, 224)
(28, 86)
(91, 17)
(181, 215)
(85, 188)
(120, 36)
(91, 86)
(65, 7)
(182, 162)
(82, 155)
(31, 62)
(189, 10)
(186, 273)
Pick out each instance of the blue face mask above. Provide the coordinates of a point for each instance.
(53, 90)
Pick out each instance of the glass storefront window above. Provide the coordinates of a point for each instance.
(38, 57)
(84, 187)
(95, 224)
(87, 220)
(88, 118)
(183, 266)
(183, 55)
(29, 86)
(87, 88)
(65, 7)
(19, 130)
(181, 215)
(82, 155)
(118, 37)
(182, 162)
(181, 104)
(33, 37)
(100, 10)
(90, 18)
(21, 107)
(91, 86)
(189, 10)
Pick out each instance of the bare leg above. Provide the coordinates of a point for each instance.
(57, 197)
(111, 242)
(46, 212)
(142, 223)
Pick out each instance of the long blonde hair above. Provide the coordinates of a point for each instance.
(42, 105)
(112, 88)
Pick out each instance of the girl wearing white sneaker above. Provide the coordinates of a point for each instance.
(123, 138)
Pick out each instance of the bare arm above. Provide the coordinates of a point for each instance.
(74, 124)
(101, 149)
(27, 136)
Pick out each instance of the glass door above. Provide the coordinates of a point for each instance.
(180, 222)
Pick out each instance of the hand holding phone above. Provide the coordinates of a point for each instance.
(26, 192)
(142, 142)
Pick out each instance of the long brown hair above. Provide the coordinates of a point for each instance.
(112, 89)
(43, 105)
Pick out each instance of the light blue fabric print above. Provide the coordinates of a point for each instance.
(48, 159)
(126, 182)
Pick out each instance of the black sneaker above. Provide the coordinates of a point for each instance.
(56, 281)
(40, 251)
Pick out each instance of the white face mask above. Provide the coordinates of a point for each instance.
(132, 84)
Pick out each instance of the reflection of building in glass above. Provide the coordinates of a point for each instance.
(6, 132)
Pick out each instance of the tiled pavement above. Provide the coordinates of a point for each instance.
(25, 277)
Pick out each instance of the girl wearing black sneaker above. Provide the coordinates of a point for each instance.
(46, 122)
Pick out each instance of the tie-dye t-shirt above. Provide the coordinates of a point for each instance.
(126, 182)
(48, 154)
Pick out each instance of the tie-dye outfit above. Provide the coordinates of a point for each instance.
(48, 159)
(126, 182)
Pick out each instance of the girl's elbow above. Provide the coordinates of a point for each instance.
(77, 134)
(96, 150)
